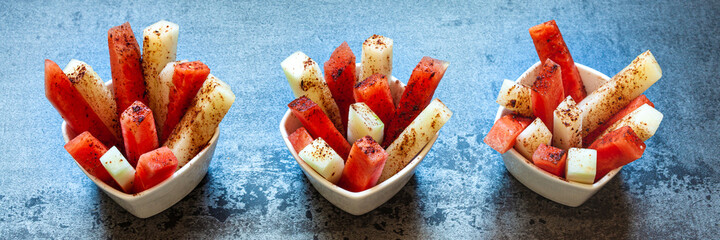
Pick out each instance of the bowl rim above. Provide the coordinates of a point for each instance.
(558, 180)
(409, 168)
(148, 192)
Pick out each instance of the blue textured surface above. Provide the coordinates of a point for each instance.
(254, 187)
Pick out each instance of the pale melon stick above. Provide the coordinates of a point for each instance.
(530, 139)
(515, 97)
(198, 125)
(323, 159)
(96, 94)
(414, 138)
(644, 121)
(581, 165)
(567, 125)
(159, 49)
(306, 79)
(376, 57)
(625, 86)
(362, 121)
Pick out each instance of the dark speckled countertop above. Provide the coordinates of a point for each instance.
(254, 188)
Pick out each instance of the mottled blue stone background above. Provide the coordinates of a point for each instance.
(254, 188)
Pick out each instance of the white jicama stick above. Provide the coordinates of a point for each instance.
(96, 94)
(376, 57)
(159, 49)
(625, 86)
(323, 159)
(362, 121)
(567, 125)
(305, 79)
(414, 138)
(581, 165)
(202, 118)
(515, 97)
(530, 139)
(644, 121)
(119, 168)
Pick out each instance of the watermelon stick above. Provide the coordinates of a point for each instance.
(549, 44)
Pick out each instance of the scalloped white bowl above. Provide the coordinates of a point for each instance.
(548, 185)
(164, 195)
(355, 203)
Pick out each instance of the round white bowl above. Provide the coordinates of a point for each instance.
(355, 203)
(164, 195)
(546, 184)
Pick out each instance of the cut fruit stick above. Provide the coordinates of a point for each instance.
(319, 125)
(340, 76)
(515, 97)
(159, 48)
(634, 104)
(532, 137)
(550, 159)
(93, 89)
(363, 122)
(138, 129)
(71, 105)
(415, 137)
(127, 74)
(87, 150)
(547, 92)
(503, 133)
(625, 86)
(581, 165)
(375, 92)
(376, 56)
(119, 168)
(617, 149)
(644, 121)
(323, 159)
(417, 95)
(299, 139)
(162, 92)
(187, 78)
(549, 44)
(305, 79)
(202, 118)
(364, 165)
(153, 168)
(568, 125)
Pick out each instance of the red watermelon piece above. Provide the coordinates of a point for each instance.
(300, 139)
(616, 149)
(319, 125)
(138, 130)
(503, 133)
(87, 150)
(364, 165)
(340, 77)
(72, 107)
(126, 67)
(374, 91)
(187, 79)
(549, 44)
(547, 92)
(417, 95)
(153, 168)
(550, 159)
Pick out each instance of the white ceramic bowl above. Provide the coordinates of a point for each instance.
(548, 185)
(355, 203)
(162, 196)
